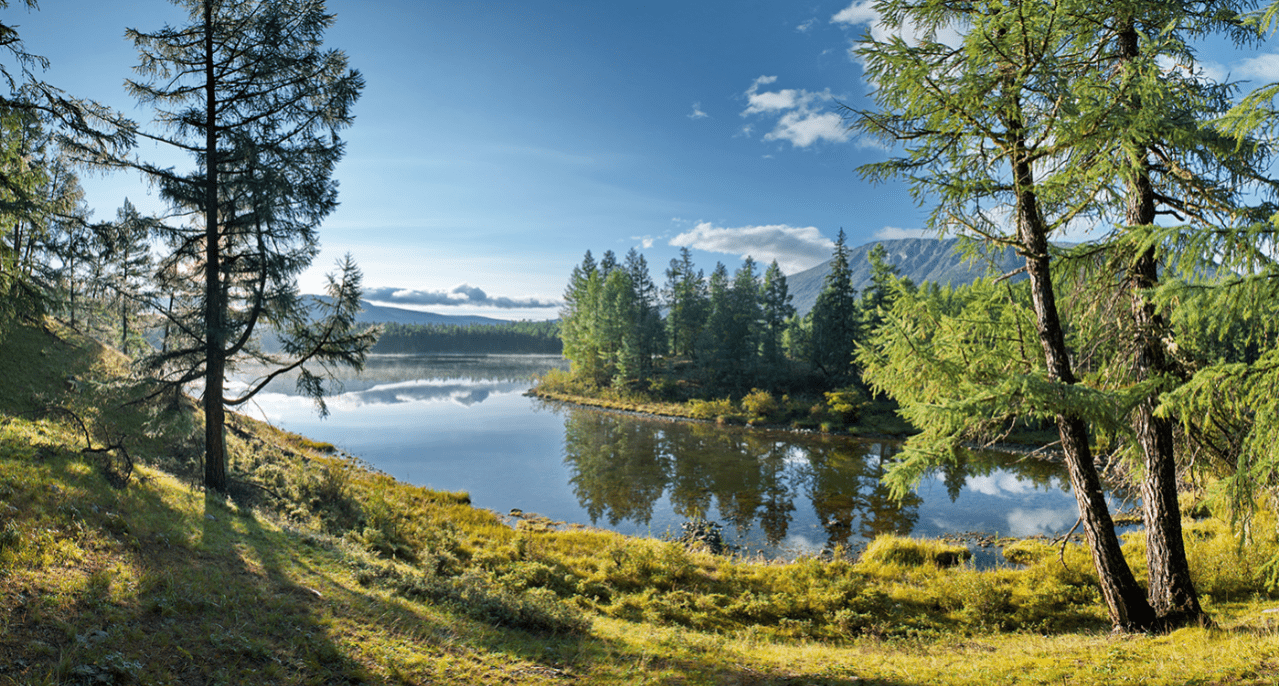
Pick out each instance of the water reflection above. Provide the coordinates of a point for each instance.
(762, 484)
(464, 379)
(462, 423)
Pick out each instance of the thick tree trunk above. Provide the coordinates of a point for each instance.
(215, 355)
(1125, 600)
(1172, 592)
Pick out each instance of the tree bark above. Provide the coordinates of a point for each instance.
(1171, 590)
(215, 363)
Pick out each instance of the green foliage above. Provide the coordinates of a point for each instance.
(834, 320)
(524, 337)
(760, 405)
(847, 403)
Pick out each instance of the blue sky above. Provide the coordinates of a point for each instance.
(495, 142)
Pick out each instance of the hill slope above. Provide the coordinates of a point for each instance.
(931, 260)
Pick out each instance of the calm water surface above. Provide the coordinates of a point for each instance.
(458, 422)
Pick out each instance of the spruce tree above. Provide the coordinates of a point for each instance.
(834, 320)
(777, 311)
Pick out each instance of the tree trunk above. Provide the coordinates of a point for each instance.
(1125, 600)
(1172, 592)
(215, 363)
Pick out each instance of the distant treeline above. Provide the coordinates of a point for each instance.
(523, 337)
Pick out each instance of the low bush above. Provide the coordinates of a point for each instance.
(760, 406)
(902, 551)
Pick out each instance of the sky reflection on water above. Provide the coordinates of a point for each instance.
(463, 423)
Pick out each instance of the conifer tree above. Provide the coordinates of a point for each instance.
(834, 319)
(687, 300)
(777, 311)
(246, 89)
(126, 252)
(980, 127)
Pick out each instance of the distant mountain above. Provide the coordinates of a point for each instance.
(403, 316)
(922, 260)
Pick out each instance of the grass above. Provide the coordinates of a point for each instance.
(317, 569)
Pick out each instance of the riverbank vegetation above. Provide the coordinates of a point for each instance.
(314, 568)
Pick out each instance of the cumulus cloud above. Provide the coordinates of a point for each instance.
(862, 13)
(1260, 69)
(806, 26)
(1264, 68)
(900, 233)
(794, 248)
(801, 115)
(697, 112)
(461, 295)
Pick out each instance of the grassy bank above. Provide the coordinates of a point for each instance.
(318, 569)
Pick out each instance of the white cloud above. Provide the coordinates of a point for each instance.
(803, 129)
(862, 13)
(1260, 69)
(461, 295)
(800, 116)
(794, 248)
(900, 233)
(697, 112)
(806, 26)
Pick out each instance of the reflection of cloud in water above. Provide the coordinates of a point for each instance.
(999, 484)
(464, 392)
(1026, 522)
(795, 456)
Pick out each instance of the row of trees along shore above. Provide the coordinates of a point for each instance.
(701, 337)
(523, 337)
(1154, 346)
(245, 90)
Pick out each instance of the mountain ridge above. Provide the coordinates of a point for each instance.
(922, 260)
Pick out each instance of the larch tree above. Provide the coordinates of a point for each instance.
(979, 125)
(126, 253)
(1153, 156)
(247, 90)
(1228, 409)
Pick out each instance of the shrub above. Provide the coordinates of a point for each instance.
(710, 410)
(760, 405)
(847, 403)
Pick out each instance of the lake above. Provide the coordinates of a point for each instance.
(463, 423)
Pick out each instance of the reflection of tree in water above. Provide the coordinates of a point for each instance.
(844, 482)
(619, 467)
(622, 465)
(504, 371)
